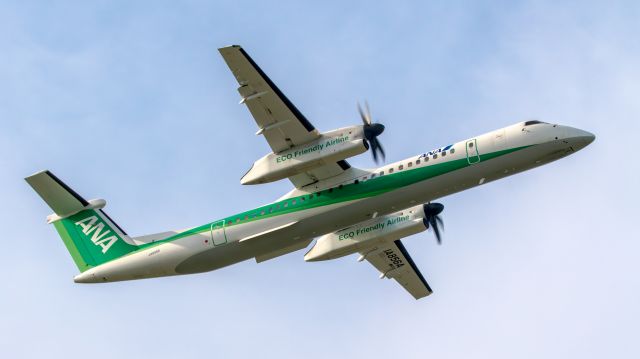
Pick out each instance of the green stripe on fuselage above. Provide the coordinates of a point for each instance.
(344, 193)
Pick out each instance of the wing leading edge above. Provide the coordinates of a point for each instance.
(393, 261)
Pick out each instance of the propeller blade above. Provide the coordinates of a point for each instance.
(374, 149)
(436, 230)
(377, 147)
(364, 116)
(381, 150)
(367, 111)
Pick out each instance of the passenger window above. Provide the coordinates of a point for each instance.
(390, 170)
(262, 212)
(340, 186)
(470, 144)
(285, 205)
(246, 217)
(453, 150)
(409, 165)
(400, 167)
(417, 162)
(381, 173)
(373, 175)
(237, 220)
(426, 159)
(435, 155)
(301, 199)
(270, 209)
(330, 190)
(356, 181)
(293, 202)
(444, 153)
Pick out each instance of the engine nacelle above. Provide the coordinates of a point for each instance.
(331, 147)
(368, 234)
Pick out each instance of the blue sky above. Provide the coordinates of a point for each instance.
(131, 102)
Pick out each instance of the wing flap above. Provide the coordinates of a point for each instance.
(269, 233)
(319, 173)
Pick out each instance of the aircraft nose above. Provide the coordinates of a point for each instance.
(583, 135)
(580, 138)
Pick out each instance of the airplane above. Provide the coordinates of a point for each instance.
(347, 210)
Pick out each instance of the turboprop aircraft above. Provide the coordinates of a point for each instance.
(349, 210)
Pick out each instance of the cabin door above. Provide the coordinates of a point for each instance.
(473, 156)
(218, 233)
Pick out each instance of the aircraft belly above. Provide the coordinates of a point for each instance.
(157, 261)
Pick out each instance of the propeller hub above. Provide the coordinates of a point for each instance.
(432, 218)
(373, 130)
(433, 209)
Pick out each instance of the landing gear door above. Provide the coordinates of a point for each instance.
(473, 156)
(218, 233)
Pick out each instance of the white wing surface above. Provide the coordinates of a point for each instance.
(393, 261)
(281, 123)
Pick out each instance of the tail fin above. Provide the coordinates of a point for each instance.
(89, 234)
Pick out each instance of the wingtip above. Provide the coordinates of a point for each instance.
(423, 295)
(229, 47)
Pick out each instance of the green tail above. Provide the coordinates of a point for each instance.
(91, 237)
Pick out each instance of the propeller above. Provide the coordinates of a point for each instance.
(432, 218)
(371, 132)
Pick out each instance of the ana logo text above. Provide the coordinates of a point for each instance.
(91, 225)
(433, 152)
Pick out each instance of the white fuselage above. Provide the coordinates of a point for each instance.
(466, 164)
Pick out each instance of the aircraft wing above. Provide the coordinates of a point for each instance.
(281, 123)
(393, 261)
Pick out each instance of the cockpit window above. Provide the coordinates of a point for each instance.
(533, 122)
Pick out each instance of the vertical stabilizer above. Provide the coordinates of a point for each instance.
(91, 237)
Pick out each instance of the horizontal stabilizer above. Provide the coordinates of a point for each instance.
(63, 200)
